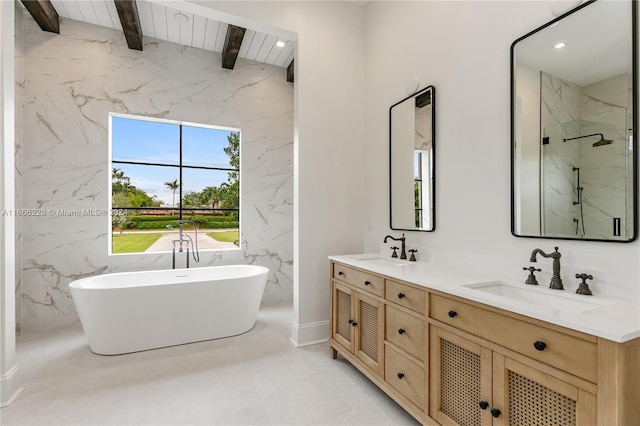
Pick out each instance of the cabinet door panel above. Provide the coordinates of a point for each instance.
(460, 380)
(343, 316)
(527, 396)
(369, 332)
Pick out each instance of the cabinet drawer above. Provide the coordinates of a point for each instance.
(405, 331)
(367, 282)
(405, 376)
(568, 353)
(402, 294)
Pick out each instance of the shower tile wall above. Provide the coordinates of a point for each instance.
(19, 52)
(606, 106)
(570, 111)
(560, 103)
(72, 82)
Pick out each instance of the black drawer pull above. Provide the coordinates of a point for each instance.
(367, 282)
(401, 331)
(484, 405)
(400, 295)
(495, 412)
(452, 314)
(400, 376)
(340, 273)
(539, 345)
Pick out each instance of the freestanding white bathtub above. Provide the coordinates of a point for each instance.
(135, 311)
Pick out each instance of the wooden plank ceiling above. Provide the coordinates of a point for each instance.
(169, 24)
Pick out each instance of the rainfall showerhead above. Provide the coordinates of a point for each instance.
(601, 142)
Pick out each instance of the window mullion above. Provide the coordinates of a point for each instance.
(180, 187)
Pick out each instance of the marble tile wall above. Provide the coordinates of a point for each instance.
(19, 53)
(560, 105)
(570, 111)
(605, 109)
(72, 82)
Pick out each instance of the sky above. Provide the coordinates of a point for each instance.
(157, 142)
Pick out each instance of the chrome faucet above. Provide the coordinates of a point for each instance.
(403, 253)
(556, 281)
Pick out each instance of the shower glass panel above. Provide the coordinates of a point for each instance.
(586, 163)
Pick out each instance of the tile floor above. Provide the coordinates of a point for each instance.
(257, 378)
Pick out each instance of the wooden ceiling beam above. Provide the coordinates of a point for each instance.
(232, 43)
(128, 13)
(44, 14)
(290, 72)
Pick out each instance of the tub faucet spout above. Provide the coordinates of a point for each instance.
(403, 253)
(186, 240)
(556, 280)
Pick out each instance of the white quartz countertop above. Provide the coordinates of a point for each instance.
(616, 320)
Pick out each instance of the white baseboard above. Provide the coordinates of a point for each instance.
(309, 334)
(9, 387)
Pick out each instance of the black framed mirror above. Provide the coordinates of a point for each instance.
(574, 168)
(412, 162)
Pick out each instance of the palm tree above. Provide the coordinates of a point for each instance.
(173, 186)
(118, 177)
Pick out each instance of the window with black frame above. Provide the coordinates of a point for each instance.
(164, 171)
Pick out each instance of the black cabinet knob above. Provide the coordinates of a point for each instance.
(400, 376)
(367, 282)
(484, 405)
(350, 321)
(340, 273)
(401, 331)
(452, 314)
(539, 345)
(400, 295)
(353, 323)
(495, 412)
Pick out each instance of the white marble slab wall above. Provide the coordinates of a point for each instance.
(72, 82)
(560, 104)
(605, 107)
(424, 128)
(19, 53)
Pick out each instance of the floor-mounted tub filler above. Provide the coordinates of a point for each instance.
(135, 311)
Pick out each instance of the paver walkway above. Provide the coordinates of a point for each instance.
(205, 242)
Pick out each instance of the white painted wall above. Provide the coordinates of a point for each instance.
(329, 141)
(527, 152)
(19, 77)
(9, 380)
(462, 48)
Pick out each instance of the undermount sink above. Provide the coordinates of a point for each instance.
(543, 297)
(384, 262)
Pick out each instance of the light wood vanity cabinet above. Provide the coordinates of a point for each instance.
(357, 325)
(452, 361)
(474, 385)
(400, 335)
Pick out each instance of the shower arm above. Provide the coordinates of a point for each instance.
(585, 136)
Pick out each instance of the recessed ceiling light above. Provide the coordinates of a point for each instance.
(181, 17)
(559, 45)
(280, 43)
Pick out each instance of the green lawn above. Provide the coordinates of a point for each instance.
(225, 237)
(133, 243)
